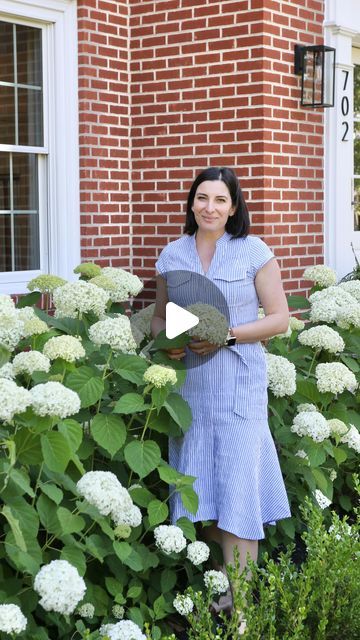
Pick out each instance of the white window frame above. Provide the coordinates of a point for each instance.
(59, 181)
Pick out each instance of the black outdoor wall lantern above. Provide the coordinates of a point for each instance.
(316, 65)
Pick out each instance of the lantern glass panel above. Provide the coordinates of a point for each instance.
(329, 62)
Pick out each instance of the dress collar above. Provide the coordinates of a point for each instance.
(220, 241)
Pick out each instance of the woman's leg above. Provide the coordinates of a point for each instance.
(245, 547)
(229, 541)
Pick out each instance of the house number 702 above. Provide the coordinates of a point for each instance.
(345, 105)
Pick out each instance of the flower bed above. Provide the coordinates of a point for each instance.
(85, 414)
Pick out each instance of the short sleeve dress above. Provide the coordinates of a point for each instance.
(229, 447)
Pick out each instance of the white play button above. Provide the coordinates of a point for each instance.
(178, 320)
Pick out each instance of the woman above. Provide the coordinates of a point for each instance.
(229, 447)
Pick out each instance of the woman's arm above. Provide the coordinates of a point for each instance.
(273, 300)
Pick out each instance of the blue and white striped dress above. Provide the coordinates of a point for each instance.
(229, 446)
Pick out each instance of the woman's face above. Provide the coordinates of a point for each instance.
(212, 205)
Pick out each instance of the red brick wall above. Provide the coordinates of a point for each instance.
(212, 83)
(104, 130)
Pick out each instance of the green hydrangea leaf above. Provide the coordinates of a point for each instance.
(109, 432)
(158, 512)
(142, 457)
(56, 451)
(130, 403)
(87, 384)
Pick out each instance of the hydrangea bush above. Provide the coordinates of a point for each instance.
(314, 400)
(87, 402)
(84, 420)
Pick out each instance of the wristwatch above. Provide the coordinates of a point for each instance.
(230, 339)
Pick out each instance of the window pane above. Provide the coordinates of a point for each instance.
(7, 115)
(357, 90)
(357, 204)
(6, 52)
(28, 43)
(5, 242)
(30, 117)
(25, 182)
(357, 148)
(26, 241)
(4, 181)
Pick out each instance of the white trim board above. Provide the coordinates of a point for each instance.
(58, 19)
(342, 31)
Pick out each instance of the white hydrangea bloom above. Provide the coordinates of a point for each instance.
(105, 629)
(118, 611)
(306, 406)
(302, 454)
(212, 325)
(132, 517)
(216, 581)
(321, 499)
(30, 361)
(66, 347)
(321, 275)
(349, 316)
(115, 332)
(322, 337)
(326, 304)
(169, 538)
(7, 371)
(86, 610)
(13, 399)
(335, 377)
(137, 334)
(60, 587)
(281, 375)
(7, 304)
(352, 287)
(198, 552)
(45, 283)
(125, 630)
(337, 426)
(79, 297)
(312, 424)
(261, 313)
(127, 284)
(32, 323)
(159, 375)
(103, 490)
(12, 619)
(352, 438)
(183, 605)
(34, 327)
(296, 324)
(54, 399)
(142, 319)
(11, 325)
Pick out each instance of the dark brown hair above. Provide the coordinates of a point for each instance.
(237, 225)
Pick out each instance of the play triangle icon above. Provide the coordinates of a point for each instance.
(178, 320)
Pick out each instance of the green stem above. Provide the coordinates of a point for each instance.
(152, 408)
(37, 483)
(312, 361)
(106, 367)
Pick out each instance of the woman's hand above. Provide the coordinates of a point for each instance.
(175, 354)
(202, 347)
